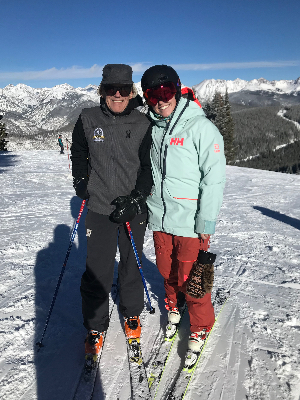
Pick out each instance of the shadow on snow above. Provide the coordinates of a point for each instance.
(55, 362)
(7, 160)
(295, 223)
(59, 362)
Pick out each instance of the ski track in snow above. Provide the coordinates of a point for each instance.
(253, 351)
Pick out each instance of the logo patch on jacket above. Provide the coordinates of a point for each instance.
(88, 232)
(98, 135)
(217, 148)
(177, 141)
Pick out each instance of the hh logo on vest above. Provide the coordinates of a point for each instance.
(98, 135)
(177, 141)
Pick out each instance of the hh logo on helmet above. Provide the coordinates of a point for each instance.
(177, 141)
(98, 135)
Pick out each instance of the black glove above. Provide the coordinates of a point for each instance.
(127, 207)
(80, 186)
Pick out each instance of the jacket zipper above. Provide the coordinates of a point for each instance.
(162, 183)
(164, 167)
(163, 172)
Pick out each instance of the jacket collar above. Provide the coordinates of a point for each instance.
(109, 113)
(164, 122)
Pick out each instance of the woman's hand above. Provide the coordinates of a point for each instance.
(204, 236)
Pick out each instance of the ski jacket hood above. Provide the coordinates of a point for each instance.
(188, 168)
(191, 95)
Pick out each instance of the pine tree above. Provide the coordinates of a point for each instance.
(219, 113)
(3, 135)
(219, 110)
(209, 112)
(228, 131)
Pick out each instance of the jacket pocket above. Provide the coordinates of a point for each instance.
(187, 193)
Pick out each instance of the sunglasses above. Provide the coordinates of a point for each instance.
(111, 90)
(163, 92)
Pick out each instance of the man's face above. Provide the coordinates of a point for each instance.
(165, 109)
(118, 101)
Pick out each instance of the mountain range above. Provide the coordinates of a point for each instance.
(207, 88)
(36, 115)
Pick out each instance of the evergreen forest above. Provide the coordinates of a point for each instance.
(257, 137)
(293, 113)
(3, 135)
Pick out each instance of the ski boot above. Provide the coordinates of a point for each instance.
(174, 316)
(195, 345)
(132, 327)
(93, 346)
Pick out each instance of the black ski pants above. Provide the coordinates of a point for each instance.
(103, 237)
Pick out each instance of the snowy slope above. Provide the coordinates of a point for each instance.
(253, 353)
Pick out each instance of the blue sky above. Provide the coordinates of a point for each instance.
(46, 43)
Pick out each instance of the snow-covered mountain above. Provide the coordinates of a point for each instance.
(241, 91)
(37, 113)
(33, 117)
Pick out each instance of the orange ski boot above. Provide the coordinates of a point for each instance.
(93, 347)
(132, 327)
(93, 342)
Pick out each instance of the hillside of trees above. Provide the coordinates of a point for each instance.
(259, 130)
(257, 137)
(264, 140)
(293, 113)
(286, 159)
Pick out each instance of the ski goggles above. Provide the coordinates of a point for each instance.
(163, 92)
(111, 90)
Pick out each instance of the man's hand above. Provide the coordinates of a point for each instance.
(80, 186)
(127, 207)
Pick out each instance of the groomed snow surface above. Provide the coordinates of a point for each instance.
(253, 351)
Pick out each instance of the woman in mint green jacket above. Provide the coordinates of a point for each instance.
(188, 167)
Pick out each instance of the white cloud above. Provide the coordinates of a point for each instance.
(236, 65)
(95, 71)
(74, 72)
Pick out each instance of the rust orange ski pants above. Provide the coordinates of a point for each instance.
(174, 258)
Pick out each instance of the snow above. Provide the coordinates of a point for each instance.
(281, 114)
(253, 351)
(206, 89)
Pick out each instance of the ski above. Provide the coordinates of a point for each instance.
(85, 387)
(138, 376)
(86, 384)
(161, 357)
(185, 376)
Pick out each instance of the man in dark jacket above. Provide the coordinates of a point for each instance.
(112, 170)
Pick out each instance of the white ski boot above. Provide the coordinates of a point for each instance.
(195, 344)
(173, 320)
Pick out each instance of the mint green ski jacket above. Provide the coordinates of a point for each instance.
(188, 168)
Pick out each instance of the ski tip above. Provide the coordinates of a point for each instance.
(152, 310)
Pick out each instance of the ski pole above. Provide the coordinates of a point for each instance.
(152, 310)
(40, 343)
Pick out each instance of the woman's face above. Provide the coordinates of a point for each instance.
(165, 109)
